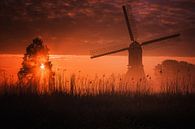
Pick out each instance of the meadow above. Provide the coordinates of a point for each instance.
(81, 101)
(105, 102)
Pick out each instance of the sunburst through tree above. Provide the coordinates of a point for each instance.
(36, 67)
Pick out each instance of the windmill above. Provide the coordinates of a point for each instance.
(135, 66)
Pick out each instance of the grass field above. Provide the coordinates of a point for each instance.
(97, 112)
(82, 103)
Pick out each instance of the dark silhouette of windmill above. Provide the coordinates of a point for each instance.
(135, 66)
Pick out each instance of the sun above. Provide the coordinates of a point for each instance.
(42, 66)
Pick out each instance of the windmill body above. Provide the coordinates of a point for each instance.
(135, 65)
(135, 55)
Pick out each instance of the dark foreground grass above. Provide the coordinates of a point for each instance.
(60, 111)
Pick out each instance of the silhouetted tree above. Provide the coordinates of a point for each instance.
(35, 63)
(176, 75)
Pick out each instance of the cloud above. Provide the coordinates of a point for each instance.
(165, 12)
(91, 20)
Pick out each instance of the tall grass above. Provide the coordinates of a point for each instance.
(84, 85)
(101, 101)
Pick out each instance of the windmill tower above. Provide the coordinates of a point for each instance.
(135, 66)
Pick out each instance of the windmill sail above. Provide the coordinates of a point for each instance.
(109, 52)
(129, 24)
(159, 39)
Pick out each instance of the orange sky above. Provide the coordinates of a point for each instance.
(73, 64)
(77, 26)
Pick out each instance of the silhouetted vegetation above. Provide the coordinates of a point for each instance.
(103, 102)
(176, 77)
(36, 66)
(59, 110)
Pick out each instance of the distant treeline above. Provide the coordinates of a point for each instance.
(179, 74)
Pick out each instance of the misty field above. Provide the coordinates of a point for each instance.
(103, 102)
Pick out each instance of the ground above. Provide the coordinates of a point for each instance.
(97, 112)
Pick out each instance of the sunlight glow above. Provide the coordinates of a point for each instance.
(42, 66)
